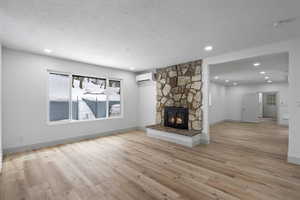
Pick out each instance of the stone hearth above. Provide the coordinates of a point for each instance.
(189, 138)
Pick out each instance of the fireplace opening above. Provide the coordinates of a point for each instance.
(176, 117)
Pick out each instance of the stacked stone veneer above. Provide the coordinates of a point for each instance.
(180, 86)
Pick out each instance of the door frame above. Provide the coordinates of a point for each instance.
(282, 47)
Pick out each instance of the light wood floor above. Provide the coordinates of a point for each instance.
(243, 161)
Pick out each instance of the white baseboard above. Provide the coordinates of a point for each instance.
(294, 160)
(218, 122)
(64, 141)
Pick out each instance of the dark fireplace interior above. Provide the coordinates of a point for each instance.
(176, 117)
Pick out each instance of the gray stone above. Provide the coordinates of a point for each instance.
(163, 81)
(190, 97)
(184, 70)
(198, 112)
(170, 102)
(158, 85)
(196, 85)
(177, 97)
(193, 91)
(183, 80)
(163, 100)
(158, 76)
(159, 93)
(198, 69)
(198, 97)
(196, 78)
(166, 90)
(196, 104)
(196, 125)
(192, 117)
(172, 74)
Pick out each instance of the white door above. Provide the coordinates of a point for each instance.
(250, 106)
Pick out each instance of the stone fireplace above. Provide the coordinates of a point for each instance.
(179, 101)
(179, 86)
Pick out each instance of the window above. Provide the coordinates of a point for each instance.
(271, 99)
(75, 97)
(59, 97)
(88, 98)
(114, 98)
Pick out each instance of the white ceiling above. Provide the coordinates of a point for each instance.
(143, 34)
(243, 71)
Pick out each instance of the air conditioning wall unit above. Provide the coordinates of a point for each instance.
(144, 77)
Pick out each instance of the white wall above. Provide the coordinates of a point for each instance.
(25, 100)
(235, 95)
(218, 103)
(147, 104)
(0, 107)
(294, 102)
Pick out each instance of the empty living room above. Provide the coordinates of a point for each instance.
(149, 99)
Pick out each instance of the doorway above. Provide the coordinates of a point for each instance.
(248, 100)
(268, 106)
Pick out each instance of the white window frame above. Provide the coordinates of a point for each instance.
(70, 120)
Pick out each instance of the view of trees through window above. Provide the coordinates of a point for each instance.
(90, 98)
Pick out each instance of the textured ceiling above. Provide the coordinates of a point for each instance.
(140, 33)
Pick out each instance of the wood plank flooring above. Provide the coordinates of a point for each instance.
(243, 161)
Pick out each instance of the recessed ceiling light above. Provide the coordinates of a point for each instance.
(216, 77)
(256, 64)
(227, 81)
(235, 83)
(269, 81)
(262, 72)
(48, 50)
(267, 77)
(132, 68)
(208, 48)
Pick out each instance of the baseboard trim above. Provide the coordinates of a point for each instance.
(218, 122)
(65, 141)
(142, 128)
(294, 160)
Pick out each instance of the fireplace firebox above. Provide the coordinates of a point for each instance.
(176, 117)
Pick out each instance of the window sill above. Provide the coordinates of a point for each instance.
(81, 121)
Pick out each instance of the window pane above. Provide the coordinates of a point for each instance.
(88, 98)
(58, 97)
(114, 97)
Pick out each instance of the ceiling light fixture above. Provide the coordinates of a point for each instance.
(262, 72)
(269, 81)
(47, 50)
(132, 68)
(216, 77)
(256, 64)
(208, 48)
(227, 81)
(267, 77)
